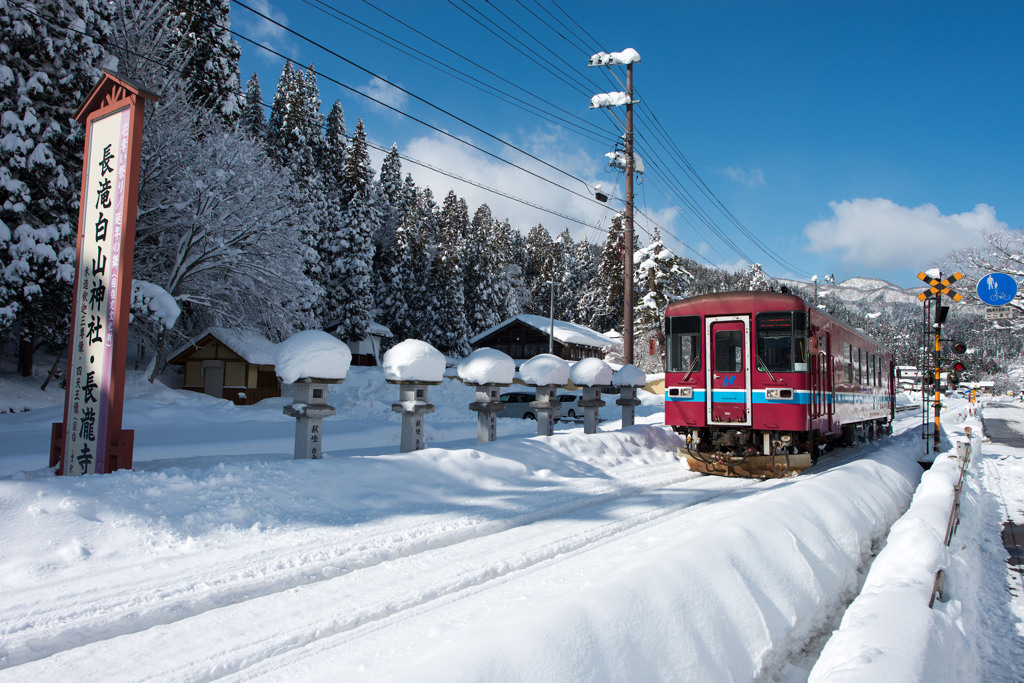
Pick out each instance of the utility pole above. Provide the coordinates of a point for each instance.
(627, 284)
(626, 58)
(551, 334)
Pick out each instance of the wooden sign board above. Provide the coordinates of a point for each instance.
(90, 440)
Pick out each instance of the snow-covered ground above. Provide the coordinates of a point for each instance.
(570, 557)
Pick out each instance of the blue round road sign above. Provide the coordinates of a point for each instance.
(997, 289)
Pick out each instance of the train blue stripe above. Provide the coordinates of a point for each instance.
(800, 397)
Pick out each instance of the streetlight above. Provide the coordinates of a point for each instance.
(627, 58)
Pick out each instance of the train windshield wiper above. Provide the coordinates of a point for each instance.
(764, 366)
(693, 364)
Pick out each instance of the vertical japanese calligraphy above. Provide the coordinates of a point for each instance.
(94, 320)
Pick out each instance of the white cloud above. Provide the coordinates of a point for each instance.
(878, 233)
(267, 33)
(388, 94)
(754, 177)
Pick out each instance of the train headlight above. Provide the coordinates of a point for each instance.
(680, 392)
(779, 394)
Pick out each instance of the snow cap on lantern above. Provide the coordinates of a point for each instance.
(312, 354)
(414, 361)
(591, 372)
(545, 370)
(487, 366)
(629, 376)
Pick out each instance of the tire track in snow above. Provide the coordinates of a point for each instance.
(204, 646)
(161, 596)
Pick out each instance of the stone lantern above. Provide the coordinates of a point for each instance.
(628, 379)
(591, 374)
(488, 370)
(546, 373)
(413, 365)
(311, 361)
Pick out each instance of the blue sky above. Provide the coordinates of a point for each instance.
(850, 138)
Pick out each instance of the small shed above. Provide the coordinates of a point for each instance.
(526, 336)
(234, 364)
(366, 351)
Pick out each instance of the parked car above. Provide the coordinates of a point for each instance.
(570, 405)
(517, 404)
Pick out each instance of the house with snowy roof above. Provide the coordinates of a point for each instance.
(366, 351)
(226, 363)
(526, 336)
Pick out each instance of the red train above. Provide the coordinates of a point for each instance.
(760, 383)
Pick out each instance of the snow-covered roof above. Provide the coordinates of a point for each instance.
(565, 332)
(249, 344)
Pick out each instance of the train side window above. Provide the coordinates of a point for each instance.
(683, 343)
(848, 361)
(728, 351)
(858, 365)
(782, 343)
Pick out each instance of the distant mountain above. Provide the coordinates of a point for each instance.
(859, 292)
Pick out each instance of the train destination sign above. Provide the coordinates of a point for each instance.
(997, 289)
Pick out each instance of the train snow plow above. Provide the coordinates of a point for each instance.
(754, 466)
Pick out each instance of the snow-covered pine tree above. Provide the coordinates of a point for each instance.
(295, 139)
(450, 335)
(49, 58)
(393, 199)
(660, 278)
(511, 247)
(417, 241)
(350, 292)
(580, 268)
(541, 262)
(253, 122)
(604, 298)
(486, 281)
(211, 70)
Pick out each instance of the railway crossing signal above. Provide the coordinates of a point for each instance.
(936, 286)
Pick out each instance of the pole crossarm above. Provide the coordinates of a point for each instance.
(937, 286)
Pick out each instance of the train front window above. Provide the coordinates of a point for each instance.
(782, 341)
(683, 343)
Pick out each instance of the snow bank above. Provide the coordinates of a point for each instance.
(487, 366)
(591, 372)
(414, 361)
(312, 353)
(629, 376)
(893, 604)
(545, 370)
(720, 594)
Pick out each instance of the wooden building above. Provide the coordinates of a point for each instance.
(526, 336)
(234, 364)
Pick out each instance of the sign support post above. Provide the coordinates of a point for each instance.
(90, 439)
(937, 288)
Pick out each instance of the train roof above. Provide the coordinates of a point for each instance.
(737, 302)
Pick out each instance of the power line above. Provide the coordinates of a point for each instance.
(417, 98)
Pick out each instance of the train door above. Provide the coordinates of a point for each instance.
(728, 378)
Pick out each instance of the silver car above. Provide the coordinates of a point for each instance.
(517, 404)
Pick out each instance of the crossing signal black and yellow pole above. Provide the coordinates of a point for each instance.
(937, 288)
